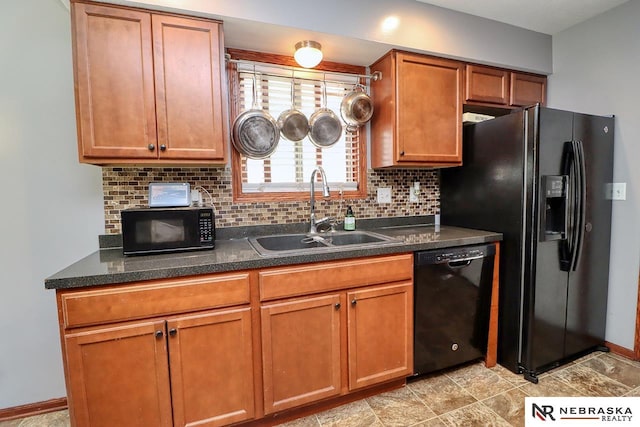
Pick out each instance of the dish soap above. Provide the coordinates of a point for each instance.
(349, 220)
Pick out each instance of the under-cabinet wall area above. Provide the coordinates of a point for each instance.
(127, 187)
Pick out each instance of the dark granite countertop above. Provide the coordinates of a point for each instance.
(233, 252)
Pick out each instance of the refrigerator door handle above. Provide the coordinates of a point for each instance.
(570, 168)
(581, 198)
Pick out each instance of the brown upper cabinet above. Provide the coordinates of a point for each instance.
(527, 89)
(504, 88)
(418, 111)
(149, 87)
(484, 84)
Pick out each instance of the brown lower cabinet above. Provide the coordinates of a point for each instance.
(174, 352)
(301, 344)
(226, 348)
(119, 376)
(301, 351)
(330, 344)
(134, 374)
(380, 334)
(211, 366)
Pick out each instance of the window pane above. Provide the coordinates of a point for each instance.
(290, 166)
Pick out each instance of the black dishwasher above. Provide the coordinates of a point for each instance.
(452, 302)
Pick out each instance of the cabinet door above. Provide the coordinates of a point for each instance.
(119, 376)
(380, 325)
(189, 96)
(211, 368)
(429, 103)
(527, 89)
(115, 105)
(301, 351)
(485, 84)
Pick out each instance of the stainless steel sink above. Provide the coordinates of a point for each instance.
(292, 244)
(286, 242)
(358, 238)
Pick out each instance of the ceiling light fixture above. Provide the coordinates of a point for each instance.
(308, 53)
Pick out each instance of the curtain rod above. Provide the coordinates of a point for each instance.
(377, 75)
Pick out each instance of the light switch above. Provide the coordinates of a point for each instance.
(616, 191)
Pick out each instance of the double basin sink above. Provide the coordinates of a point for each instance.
(303, 243)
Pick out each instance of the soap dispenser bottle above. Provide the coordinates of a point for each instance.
(349, 220)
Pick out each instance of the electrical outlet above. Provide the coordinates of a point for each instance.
(384, 195)
(616, 191)
(196, 198)
(414, 193)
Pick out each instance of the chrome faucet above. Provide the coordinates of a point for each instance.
(325, 193)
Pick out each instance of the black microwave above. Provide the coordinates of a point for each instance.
(159, 230)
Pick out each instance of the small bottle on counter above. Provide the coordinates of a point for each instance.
(349, 220)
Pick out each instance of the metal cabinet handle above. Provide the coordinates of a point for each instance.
(402, 153)
(354, 302)
(159, 334)
(173, 332)
(163, 147)
(151, 147)
(337, 306)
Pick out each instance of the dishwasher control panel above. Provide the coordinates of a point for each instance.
(454, 254)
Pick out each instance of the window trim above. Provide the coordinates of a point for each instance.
(236, 161)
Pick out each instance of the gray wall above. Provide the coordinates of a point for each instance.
(596, 66)
(423, 28)
(51, 206)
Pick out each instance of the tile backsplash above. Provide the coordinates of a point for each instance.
(127, 187)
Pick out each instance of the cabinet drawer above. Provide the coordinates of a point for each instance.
(149, 299)
(321, 277)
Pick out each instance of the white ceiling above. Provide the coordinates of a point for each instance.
(544, 16)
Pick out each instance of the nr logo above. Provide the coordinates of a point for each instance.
(543, 412)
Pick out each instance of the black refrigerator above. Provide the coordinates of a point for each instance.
(539, 176)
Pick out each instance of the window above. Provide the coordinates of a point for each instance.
(286, 173)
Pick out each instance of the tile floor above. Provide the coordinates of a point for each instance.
(468, 396)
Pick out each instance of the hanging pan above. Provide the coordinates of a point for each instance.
(293, 123)
(325, 127)
(356, 108)
(255, 133)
